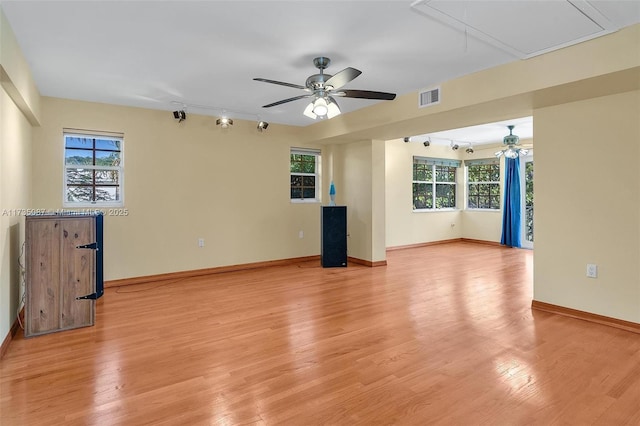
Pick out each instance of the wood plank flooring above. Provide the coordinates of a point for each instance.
(443, 335)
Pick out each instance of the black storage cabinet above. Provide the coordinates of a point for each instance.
(333, 236)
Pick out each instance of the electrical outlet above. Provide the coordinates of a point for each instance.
(301, 234)
(200, 242)
(592, 270)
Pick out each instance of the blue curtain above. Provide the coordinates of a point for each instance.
(511, 212)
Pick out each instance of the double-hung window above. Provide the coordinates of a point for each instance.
(93, 169)
(434, 183)
(483, 184)
(305, 174)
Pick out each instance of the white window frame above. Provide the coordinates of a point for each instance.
(523, 193)
(486, 161)
(433, 162)
(119, 168)
(318, 156)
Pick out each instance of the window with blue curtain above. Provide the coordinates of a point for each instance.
(511, 214)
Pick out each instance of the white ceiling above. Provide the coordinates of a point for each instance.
(480, 135)
(205, 54)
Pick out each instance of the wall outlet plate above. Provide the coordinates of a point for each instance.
(592, 270)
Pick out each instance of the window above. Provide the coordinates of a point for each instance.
(434, 183)
(93, 170)
(305, 166)
(483, 183)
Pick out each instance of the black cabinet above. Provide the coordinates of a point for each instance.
(334, 236)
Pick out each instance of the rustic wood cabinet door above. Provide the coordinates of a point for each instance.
(58, 272)
(77, 272)
(43, 266)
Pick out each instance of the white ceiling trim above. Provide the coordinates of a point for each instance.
(580, 22)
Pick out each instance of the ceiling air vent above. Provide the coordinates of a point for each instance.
(429, 97)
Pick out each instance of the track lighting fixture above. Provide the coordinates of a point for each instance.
(469, 150)
(224, 122)
(454, 146)
(425, 142)
(262, 125)
(180, 115)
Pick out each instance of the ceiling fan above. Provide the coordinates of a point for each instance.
(322, 88)
(513, 148)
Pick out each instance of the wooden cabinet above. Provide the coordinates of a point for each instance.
(60, 268)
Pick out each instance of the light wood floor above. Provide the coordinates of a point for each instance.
(442, 335)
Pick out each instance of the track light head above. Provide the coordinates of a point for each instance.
(469, 150)
(426, 143)
(262, 125)
(407, 139)
(455, 147)
(180, 115)
(224, 122)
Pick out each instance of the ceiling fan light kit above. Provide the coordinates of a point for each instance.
(322, 87)
(512, 150)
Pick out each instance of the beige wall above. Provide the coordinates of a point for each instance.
(183, 182)
(15, 169)
(352, 167)
(403, 225)
(193, 180)
(587, 205)
(485, 225)
(360, 184)
(378, 202)
(15, 183)
(15, 74)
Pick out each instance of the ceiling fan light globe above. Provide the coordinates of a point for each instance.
(308, 111)
(332, 110)
(320, 107)
(511, 152)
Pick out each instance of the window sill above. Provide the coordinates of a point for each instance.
(90, 206)
(484, 210)
(306, 201)
(434, 210)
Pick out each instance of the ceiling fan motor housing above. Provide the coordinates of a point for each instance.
(511, 139)
(316, 81)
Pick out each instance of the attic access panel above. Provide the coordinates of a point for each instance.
(522, 28)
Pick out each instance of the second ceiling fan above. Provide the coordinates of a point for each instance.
(322, 88)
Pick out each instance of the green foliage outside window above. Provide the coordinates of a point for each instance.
(483, 186)
(434, 186)
(303, 176)
(528, 216)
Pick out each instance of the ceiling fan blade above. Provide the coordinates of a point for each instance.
(284, 101)
(281, 83)
(342, 77)
(365, 94)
